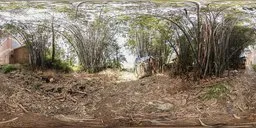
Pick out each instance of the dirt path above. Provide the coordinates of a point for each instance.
(101, 100)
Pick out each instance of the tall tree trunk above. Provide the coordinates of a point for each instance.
(53, 41)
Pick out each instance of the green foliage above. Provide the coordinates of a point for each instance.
(40, 6)
(67, 10)
(165, 1)
(13, 6)
(76, 68)
(241, 38)
(254, 67)
(8, 68)
(63, 66)
(216, 91)
(58, 65)
(18, 5)
(148, 23)
(62, 1)
(148, 35)
(124, 18)
(115, 64)
(214, 45)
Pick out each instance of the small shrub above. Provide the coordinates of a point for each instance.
(254, 67)
(216, 91)
(8, 68)
(58, 65)
(76, 68)
(63, 66)
(40, 6)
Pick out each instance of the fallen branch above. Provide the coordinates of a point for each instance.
(73, 99)
(240, 108)
(81, 92)
(8, 121)
(198, 109)
(25, 110)
(202, 123)
(235, 116)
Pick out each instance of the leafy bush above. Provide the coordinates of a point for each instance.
(8, 68)
(216, 91)
(254, 67)
(40, 6)
(76, 68)
(58, 65)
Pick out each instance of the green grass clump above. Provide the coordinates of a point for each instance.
(76, 68)
(40, 6)
(69, 11)
(215, 92)
(62, 66)
(254, 67)
(8, 68)
(58, 64)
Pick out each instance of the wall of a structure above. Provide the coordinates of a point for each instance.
(253, 58)
(10, 54)
(20, 55)
(7, 44)
(5, 51)
(5, 56)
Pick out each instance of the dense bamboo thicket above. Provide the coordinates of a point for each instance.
(96, 45)
(206, 39)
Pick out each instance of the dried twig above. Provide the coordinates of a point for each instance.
(13, 106)
(73, 99)
(202, 123)
(81, 92)
(198, 109)
(25, 110)
(235, 116)
(8, 121)
(240, 108)
(28, 90)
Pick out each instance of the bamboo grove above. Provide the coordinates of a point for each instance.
(206, 39)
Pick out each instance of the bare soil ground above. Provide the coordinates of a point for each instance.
(112, 99)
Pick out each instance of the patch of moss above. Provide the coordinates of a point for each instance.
(40, 6)
(76, 68)
(216, 91)
(1, 7)
(71, 12)
(62, 2)
(58, 65)
(254, 67)
(8, 68)
(14, 5)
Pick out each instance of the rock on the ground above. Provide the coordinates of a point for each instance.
(165, 106)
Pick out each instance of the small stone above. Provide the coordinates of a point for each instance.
(165, 107)
(137, 93)
(183, 102)
(51, 80)
(150, 103)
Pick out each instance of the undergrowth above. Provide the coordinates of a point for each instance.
(216, 91)
(254, 67)
(58, 65)
(8, 68)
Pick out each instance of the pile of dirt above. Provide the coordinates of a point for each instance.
(112, 98)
